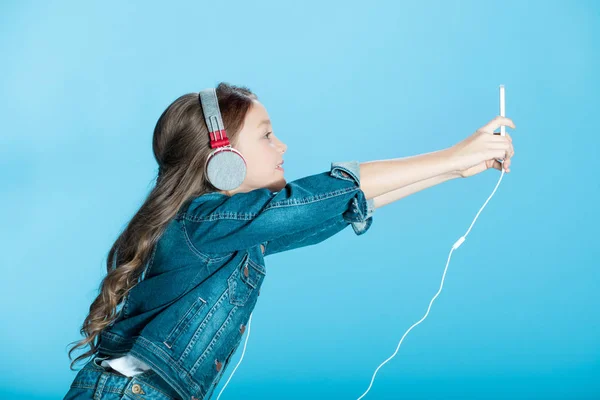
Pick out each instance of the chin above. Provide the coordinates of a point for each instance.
(277, 185)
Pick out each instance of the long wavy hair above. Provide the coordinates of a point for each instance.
(181, 145)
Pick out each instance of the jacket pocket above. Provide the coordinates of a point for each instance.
(183, 323)
(246, 277)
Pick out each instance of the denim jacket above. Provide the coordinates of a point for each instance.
(186, 315)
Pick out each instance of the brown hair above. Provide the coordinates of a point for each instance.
(181, 145)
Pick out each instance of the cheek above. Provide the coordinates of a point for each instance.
(259, 159)
(256, 166)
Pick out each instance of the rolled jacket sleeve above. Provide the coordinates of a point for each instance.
(359, 215)
(306, 211)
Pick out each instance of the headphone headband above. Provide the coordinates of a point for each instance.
(212, 116)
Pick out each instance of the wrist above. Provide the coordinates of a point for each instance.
(452, 175)
(454, 169)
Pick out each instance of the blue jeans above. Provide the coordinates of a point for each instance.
(96, 382)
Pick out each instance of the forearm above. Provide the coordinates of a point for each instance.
(380, 177)
(390, 197)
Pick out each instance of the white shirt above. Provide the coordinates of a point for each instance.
(128, 365)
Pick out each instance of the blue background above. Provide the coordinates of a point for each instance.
(83, 85)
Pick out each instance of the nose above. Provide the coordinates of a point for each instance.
(282, 146)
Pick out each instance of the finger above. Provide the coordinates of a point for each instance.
(500, 139)
(506, 135)
(498, 122)
(497, 165)
(511, 150)
(500, 143)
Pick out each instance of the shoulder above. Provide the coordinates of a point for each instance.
(216, 205)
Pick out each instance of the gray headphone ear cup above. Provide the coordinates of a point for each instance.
(226, 169)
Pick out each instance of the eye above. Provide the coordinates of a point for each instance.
(268, 134)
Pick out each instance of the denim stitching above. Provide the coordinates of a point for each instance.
(181, 326)
(117, 338)
(246, 281)
(279, 204)
(205, 257)
(181, 372)
(216, 259)
(153, 387)
(208, 349)
(312, 199)
(110, 389)
(117, 390)
(200, 328)
(78, 386)
(260, 268)
(190, 245)
(100, 386)
(113, 389)
(121, 339)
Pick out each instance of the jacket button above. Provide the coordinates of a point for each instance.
(137, 389)
(246, 272)
(242, 328)
(218, 365)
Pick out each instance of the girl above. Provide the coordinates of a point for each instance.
(185, 274)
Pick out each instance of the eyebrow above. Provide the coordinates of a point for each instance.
(266, 121)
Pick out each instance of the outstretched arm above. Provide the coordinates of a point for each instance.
(390, 197)
(380, 177)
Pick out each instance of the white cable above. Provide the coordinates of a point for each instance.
(239, 362)
(454, 247)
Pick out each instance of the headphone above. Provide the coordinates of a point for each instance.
(225, 167)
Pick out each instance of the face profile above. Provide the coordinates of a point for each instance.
(263, 152)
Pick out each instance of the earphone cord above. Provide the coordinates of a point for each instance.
(239, 362)
(454, 247)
